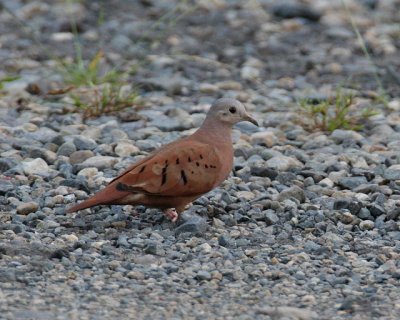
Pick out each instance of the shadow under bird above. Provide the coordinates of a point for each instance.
(181, 171)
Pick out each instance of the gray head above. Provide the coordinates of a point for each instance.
(229, 111)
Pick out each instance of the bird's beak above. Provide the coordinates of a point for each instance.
(247, 117)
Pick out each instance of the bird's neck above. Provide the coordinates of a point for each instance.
(215, 132)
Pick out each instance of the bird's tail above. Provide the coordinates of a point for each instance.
(106, 196)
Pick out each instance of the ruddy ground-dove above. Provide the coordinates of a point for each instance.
(181, 171)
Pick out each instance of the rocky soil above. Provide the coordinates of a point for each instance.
(306, 227)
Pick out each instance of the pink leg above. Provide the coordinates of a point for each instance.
(171, 214)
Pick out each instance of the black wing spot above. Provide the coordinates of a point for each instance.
(166, 162)
(189, 159)
(124, 187)
(201, 156)
(206, 166)
(197, 163)
(164, 174)
(192, 172)
(142, 169)
(164, 179)
(183, 176)
(177, 161)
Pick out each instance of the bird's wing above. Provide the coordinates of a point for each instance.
(181, 169)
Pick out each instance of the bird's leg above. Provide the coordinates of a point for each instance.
(171, 214)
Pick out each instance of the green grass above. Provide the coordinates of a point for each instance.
(338, 112)
(80, 73)
(103, 99)
(7, 79)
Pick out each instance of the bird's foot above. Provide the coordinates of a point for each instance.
(171, 214)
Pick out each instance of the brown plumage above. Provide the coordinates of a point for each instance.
(179, 172)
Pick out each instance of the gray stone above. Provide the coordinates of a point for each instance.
(80, 156)
(6, 164)
(377, 210)
(124, 149)
(83, 143)
(27, 208)
(289, 313)
(5, 186)
(283, 163)
(352, 182)
(270, 217)
(352, 205)
(203, 275)
(292, 192)
(364, 214)
(35, 167)
(392, 173)
(99, 162)
(43, 135)
(367, 225)
(66, 149)
(194, 225)
(340, 135)
(290, 10)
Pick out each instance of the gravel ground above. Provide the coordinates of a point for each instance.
(306, 227)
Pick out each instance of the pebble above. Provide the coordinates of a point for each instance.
(367, 225)
(292, 192)
(27, 208)
(352, 182)
(124, 149)
(99, 162)
(392, 173)
(283, 163)
(83, 143)
(35, 167)
(266, 138)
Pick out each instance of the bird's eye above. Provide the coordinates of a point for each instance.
(232, 110)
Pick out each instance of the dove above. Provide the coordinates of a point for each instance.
(181, 171)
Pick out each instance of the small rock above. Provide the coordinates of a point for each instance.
(27, 208)
(80, 156)
(266, 138)
(194, 225)
(328, 183)
(283, 163)
(353, 206)
(377, 210)
(352, 182)
(392, 173)
(5, 186)
(291, 313)
(203, 275)
(66, 149)
(367, 225)
(35, 167)
(88, 172)
(260, 169)
(7, 164)
(364, 214)
(246, 195)
(346, 217)
(340, 135)
(208, 88)
(83, 143)
(292, 192)
(124, 149)
(270, 217)
(99, 162)
(249, 73)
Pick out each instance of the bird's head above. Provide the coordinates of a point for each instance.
(230, 111)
